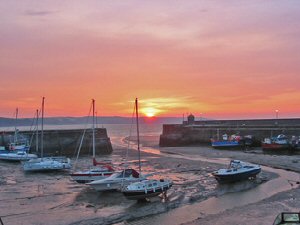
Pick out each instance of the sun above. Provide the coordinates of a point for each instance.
(149, 111)
(149, 114)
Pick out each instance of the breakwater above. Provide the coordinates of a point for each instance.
(200, 132)
(64, 142)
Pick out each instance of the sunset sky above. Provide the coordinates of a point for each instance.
(215, 59)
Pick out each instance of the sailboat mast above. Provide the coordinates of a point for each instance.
(16, 132)
(42, 128)
(138, 132)
(93, 129)
(37, 131)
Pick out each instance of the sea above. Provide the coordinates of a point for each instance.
(113, 130)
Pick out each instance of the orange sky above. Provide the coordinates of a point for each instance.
(215, 59)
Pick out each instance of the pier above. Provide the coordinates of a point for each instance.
(193, 132)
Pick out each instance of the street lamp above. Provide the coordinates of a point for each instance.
(276, 111)
(276, 115)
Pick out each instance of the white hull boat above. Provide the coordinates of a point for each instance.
(17, 156)
(146, 189)
(47, 164)
(117, 180)
(15, 150)
(97, 173)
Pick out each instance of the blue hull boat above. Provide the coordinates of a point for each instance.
(231, 141)
(224, 144)
(237, 171)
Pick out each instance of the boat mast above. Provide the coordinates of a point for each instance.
(93, 102)
(37, 131)
(16, 132)
(138, 132)
(42, 128)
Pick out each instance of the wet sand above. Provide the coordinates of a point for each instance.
(53, 198)
(261, 212)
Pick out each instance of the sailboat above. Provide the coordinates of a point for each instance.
(17, 150)
(46, 163)
(146, 188)
(96, 172)
(17, 156)
(16, 144)
(121, 178)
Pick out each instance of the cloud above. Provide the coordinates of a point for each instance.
(166, 104)
(38, 12)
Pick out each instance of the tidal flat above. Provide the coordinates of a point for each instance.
(195, 198)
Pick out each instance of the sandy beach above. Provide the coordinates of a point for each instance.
(53, 198)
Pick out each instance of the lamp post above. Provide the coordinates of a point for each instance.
(276, 115)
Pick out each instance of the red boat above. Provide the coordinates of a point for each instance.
(280, 142)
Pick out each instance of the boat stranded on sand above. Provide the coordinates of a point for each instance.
(19, 146)
(133, 184)
(99, 170)
(146, 189)
(227, 141)
(94, 173)
(117, 180)
(18, 150)
(280, 142)
(17, 156)
(46, 163)
(236, 171)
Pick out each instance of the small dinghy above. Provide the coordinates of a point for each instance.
(287, 218)
(146, 189)
(236, 171)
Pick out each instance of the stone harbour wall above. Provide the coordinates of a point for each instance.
(200, 132)
(65, 142)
